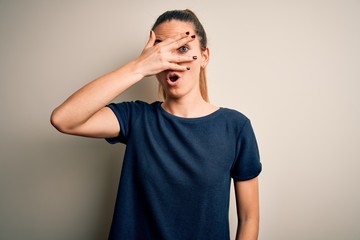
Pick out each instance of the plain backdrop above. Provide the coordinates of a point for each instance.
(293, 67)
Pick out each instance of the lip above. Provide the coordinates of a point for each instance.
(170, 78)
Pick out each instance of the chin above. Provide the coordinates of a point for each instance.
(173, 95)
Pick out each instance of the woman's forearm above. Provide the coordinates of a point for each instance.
(85, 102)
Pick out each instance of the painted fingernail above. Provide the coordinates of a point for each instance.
(188, 68)
(193, 36)
(187, 33)
(194, 57)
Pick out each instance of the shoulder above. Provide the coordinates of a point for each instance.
(237, 121)
(234, 116)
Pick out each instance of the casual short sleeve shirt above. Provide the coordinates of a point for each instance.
(176, 174)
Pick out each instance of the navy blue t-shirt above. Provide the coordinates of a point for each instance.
(176, 174)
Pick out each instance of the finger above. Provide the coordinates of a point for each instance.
(174, 39)
(180, 42)
(151, 40)
(177, 67)
(181, 59)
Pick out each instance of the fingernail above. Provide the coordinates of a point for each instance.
(187, 33)
(193, 36)
(188, 68)
(195, 57)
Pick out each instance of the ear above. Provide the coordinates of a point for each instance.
(205, 57)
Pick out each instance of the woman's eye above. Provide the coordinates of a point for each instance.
(183, 49)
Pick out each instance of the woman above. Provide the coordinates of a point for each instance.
(181, 153)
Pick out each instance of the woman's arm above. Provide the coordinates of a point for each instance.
(84, 113)
(247, 202)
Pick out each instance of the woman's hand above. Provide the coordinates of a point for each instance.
(159, 57)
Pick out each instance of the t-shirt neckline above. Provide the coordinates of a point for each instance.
(205, 117)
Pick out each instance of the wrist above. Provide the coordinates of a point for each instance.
(136, 68)
(129, 72)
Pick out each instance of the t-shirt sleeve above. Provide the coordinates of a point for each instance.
(247, 164)
(123, 112)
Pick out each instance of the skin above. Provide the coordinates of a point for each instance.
(247, 203)
(169, 50)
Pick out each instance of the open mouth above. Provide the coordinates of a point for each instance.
(173, 77)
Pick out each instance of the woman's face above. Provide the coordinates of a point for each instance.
(177, 84)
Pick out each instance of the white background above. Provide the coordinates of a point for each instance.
(293, 67)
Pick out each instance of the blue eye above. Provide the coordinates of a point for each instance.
(183, 49)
